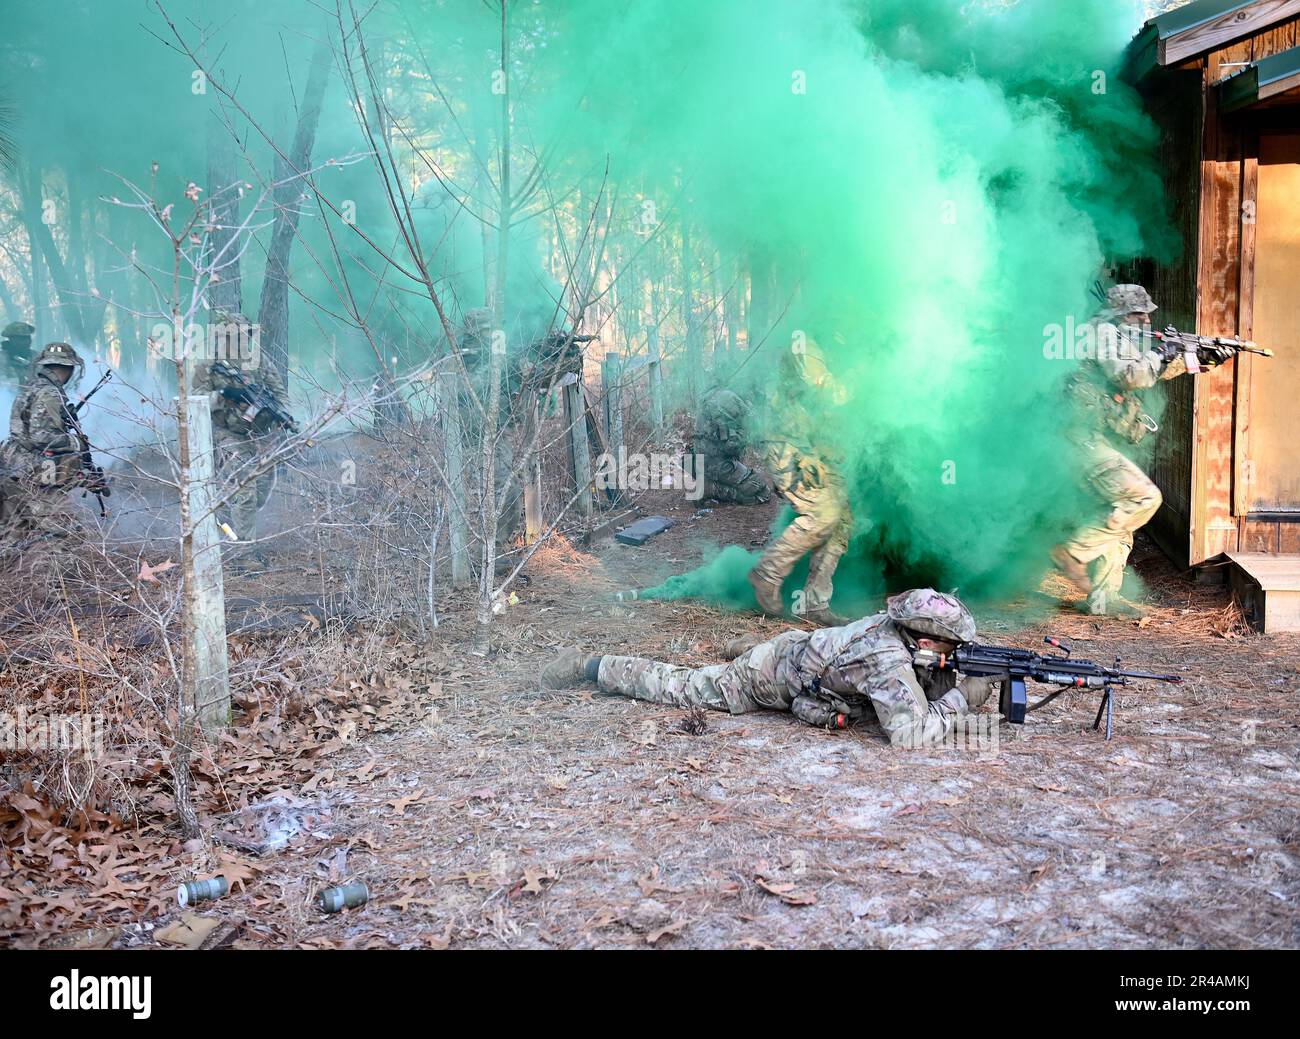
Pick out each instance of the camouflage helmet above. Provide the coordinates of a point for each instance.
(934, 614)
(57, 355)
(723, 404)
(18, 330)
(1129, 299)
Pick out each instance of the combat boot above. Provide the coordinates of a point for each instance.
(826, 618)
(739, 646)
(1075, 572)
(569, 668)
(768, 594)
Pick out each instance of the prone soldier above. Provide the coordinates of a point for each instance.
(829, 678)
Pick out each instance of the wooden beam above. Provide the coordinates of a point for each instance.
(1231, 25)
(1212, 529)
(1244, 364)
(575, 415)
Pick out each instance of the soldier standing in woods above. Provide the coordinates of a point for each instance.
(249, 414)
(828, 678)
(45, 454)
(721, 441)
(1111, 422)
(805, 471)
(16, 353)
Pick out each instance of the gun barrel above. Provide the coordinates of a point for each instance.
(1151, 676)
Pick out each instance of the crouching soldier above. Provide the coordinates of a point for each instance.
(249, 417)
(828, 678)
(43, 459)
(720, 443)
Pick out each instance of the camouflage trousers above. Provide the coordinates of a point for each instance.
(34, 501)
(237, 458)
(730, 480)
(1103, 546)
(822, 527)
(748, 683)
(28, 511)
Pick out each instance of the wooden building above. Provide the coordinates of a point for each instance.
(1222, 80)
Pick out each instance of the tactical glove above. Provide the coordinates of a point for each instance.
(812, 711)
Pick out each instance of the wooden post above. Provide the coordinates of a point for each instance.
(448, 398)
(575, 414)
(206, 604)
(532, 476)
(613, 376)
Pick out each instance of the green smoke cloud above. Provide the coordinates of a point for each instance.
(929, 183)
(935, 183)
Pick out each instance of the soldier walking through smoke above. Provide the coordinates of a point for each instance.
(827, 678)
(1112, 421)
(46, 454)
(805, 472)
(721, 441)
(16, 353)
(249, 413)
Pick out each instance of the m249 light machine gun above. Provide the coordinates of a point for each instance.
(1017, 666)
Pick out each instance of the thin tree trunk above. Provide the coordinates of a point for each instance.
(273, 312)
(223, 187)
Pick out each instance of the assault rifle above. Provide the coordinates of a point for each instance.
(1201, 351)
(93, 479)
(1016, 666)
(260, 404)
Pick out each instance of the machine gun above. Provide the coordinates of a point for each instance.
(93, 479)
(1016, 666)
(262, 409)
(1201, 351)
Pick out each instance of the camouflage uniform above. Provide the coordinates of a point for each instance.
(16, 353)
(830, 677)
(1111, 415)
(41, 460)
(721, 441)
(805, 472)
(240, 442)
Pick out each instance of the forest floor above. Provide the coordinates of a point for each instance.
(482, 811)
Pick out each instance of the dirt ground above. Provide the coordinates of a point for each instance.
(485, 812)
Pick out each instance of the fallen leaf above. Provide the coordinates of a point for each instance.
(533, 878)
(147, 572)
(401, 804)
(671, 928)
(787, 893)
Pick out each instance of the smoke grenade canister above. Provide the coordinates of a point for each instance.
(334, 899)
(202, 890)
